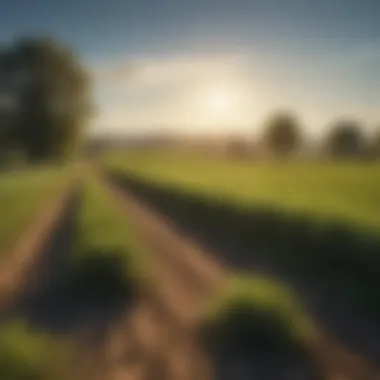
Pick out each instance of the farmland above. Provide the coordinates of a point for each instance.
(344, 191)
(190, 190)
(119, 256)
(93, 271)
(315, 225)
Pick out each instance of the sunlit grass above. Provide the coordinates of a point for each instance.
(343, 191)
(258, 318)
(27, 354)
(261, 294)
(23, 195)
(103, 229)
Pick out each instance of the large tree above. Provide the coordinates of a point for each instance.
(282, 134)
(50, 90)
(345, 139)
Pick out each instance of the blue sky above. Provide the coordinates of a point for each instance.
(216, 65)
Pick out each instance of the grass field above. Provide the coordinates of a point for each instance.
(105, 267)
(313, 224)
(104, 232)
(27, 354)
(344, 191)
(24, 194)
(253, 311)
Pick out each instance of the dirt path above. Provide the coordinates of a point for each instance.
(19, 264)
(186, 276)
(161, 330)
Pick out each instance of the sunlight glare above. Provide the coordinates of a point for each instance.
(220, 99)
(220, 103)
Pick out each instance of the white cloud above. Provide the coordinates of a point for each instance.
(163, 91)
(168, 70)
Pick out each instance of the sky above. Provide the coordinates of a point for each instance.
(209, 66)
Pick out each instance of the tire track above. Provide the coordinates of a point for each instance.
(162, 328)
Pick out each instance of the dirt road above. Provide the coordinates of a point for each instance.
(161, 331)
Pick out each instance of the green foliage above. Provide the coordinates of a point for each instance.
(282, 135)
(51, 90)
(257, 313)
(261, 293)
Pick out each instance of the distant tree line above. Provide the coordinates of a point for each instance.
(44, 100)
(283, 137)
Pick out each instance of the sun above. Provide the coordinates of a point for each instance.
(216, 106)
(220, 100)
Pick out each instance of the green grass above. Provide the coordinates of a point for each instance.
(23, 195)
(27, 354)
(310, 221)
(103, 230)
(257, 313)
(341, 191)
(103, 233)
(261, 293)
